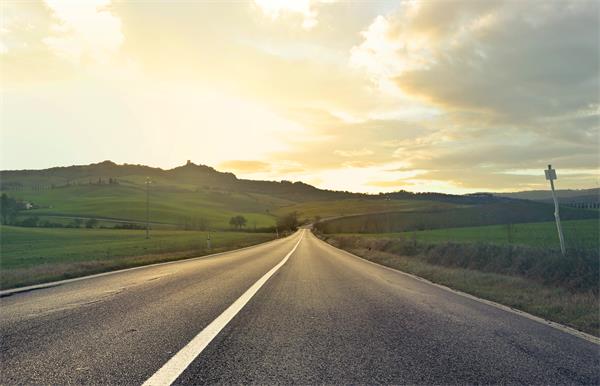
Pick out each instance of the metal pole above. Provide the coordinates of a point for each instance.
(551, 176)
(147, 208)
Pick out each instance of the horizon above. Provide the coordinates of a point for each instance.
(190, 162)
(451, 97)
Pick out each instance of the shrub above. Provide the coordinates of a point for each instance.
(577, 271)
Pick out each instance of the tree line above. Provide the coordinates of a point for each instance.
(285, 223)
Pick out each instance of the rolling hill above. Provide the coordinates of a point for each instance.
(197, 197)
(191, 195)
(509, 212)
(564, 195)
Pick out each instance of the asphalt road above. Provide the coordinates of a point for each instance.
(322, 317)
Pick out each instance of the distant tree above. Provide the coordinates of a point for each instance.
(30, 222)
(289, 222)
(4, 207)
(76, 223)
(9, 208)
(238, 222)
(91, 223)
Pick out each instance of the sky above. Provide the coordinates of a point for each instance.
(369, 96)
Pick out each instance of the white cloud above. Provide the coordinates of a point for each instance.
(86, 29)
(306, 9)
(353, 153)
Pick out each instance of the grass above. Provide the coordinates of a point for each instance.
(552, 290)
(337, 208)
(171, 204)
(578, 234)
(512, 212)
(167, 204)
(34, 255)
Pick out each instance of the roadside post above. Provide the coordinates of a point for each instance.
(208, 241)
(147, 182)
(551, 176)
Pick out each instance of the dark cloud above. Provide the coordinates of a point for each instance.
(528, 61)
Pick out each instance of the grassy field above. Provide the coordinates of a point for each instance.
(337, 208)
(546, 284)
(171, 205)
(167, 205)
(578, 234)
(513, 212)
(33, 255)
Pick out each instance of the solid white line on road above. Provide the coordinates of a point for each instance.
(171, 370)
(119, 271)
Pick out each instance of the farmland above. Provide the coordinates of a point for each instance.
(338, 208)
(578, 234)
(167, 206)
(31, 255)
(510, 212)
(198, 198)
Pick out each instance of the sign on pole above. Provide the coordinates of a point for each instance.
(551, 176)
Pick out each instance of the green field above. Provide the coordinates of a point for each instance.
(578, 234)
(510, 212)
(167, 205)
(31, 255)
(170, 206)
(337, 208)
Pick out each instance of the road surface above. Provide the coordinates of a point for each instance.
(320, 316)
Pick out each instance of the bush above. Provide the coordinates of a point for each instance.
(578, 271)
(289, 222)
(31, 222)
(128, 225)
(91, 223)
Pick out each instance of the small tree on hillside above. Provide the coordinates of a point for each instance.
(91, 223)
(237, 222)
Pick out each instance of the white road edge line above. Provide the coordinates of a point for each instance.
(51, 284)
(555, 325)
(171, 370)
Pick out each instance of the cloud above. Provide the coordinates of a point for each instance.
(306, 9)
(245, 166)
(324, 132)
(508, 61)
(465, 93)
(353, 153)
(397, 184)
(84, 29)
(515, 83)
